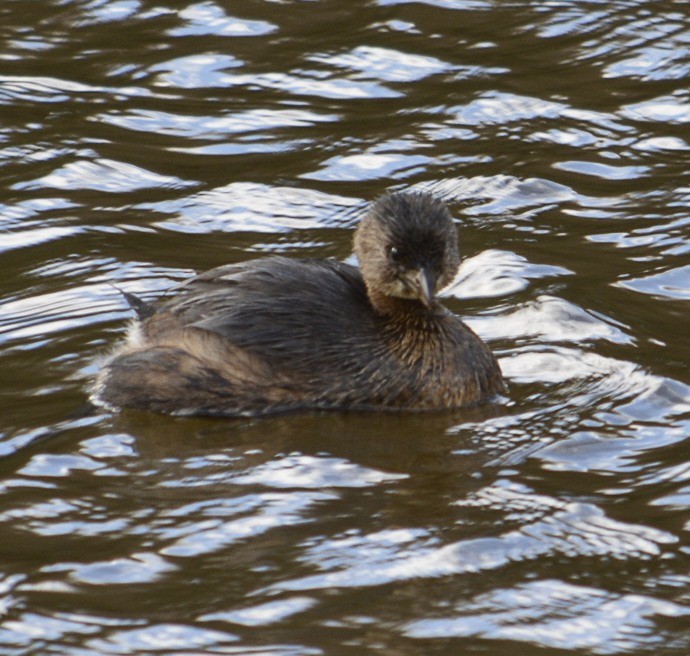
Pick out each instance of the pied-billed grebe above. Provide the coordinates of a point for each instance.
(278, 334)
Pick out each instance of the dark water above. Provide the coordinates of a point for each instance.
(140, 141)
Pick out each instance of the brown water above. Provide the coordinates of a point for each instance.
(142, 140)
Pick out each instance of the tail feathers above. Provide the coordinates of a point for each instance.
(142, 309)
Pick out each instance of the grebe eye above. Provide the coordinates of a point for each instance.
(395, 254)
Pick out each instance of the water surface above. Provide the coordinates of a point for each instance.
(142, 141)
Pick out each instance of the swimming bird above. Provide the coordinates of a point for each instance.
(278, 334)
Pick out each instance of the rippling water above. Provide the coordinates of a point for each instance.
(141, 141)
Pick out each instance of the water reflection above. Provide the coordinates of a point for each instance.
(560, 615)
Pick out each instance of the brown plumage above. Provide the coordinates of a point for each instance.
(278, 334)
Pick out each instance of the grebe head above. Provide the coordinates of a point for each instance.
(407, 248)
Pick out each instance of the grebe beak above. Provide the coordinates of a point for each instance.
(423, 283)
